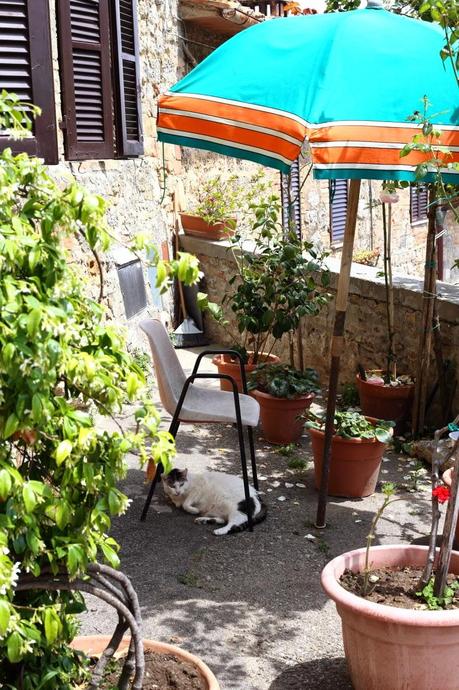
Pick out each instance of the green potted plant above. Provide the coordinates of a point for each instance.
(214, 214)
(64, 376)
(283, 393)
(278, 281)
(358, 445)
(384, 393)
(396, 612)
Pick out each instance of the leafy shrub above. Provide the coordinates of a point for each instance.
(353, 425)
(62, 371)
(283, 381)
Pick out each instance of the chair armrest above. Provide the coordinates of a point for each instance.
(233, 353)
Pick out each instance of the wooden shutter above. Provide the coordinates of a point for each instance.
(338, 209)
(127, 71)
(84, 45)
(26, 70)
(419, 199)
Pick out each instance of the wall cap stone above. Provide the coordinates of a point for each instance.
(408, 290)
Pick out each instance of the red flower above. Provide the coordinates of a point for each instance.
(442, 493)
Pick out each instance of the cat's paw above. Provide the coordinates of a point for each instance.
(221, 531)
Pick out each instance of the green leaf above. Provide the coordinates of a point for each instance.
(53, 625)
(114, 502)
(11, 425)
(29, 498)
(13, 647)
(5, 615)
(37, 407)
(63, 514)
(33, 322)
(63, 451)
(75, 558)
(110, 555)
(5, 484)
(132, 385)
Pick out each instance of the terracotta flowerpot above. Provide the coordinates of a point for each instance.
(95, 645)
(226, 365)
(448, 479)
(386, 402)
(197, 226)
(389, 648)
(279, 416)
(354, 467)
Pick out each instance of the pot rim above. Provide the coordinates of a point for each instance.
(162, 648)
(268, 396)
(389, 614)
(220, 359)
(402, 386)
(352, 441)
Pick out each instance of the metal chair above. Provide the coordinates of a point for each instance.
(188, 401)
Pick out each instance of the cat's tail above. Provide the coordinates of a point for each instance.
(258, 511)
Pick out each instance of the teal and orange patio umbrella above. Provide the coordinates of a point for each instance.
(347, 82)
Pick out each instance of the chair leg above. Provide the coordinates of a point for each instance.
(174, 427)
(252, 457)
(159, 471)
(245, 476)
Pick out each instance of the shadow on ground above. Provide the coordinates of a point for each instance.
(251, 605)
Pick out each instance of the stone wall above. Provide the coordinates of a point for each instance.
(408, 240)
(366, 338)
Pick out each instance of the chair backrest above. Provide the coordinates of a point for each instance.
(169, 373)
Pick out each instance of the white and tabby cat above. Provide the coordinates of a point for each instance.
(216, 497)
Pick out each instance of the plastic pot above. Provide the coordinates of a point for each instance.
(279, 416)
(226, 365)
(354, 465)
(197, 226)
(94, 645)
(386, 402)
(390, 648)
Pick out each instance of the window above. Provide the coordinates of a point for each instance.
(26, 70)
(338, 193)
(419, 199)
(291, 201)
(99, 72)
(99, 65)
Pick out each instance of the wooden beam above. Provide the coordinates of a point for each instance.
(337, 344)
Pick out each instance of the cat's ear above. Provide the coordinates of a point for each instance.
(185, 474)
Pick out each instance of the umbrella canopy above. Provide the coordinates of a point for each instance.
(347, 81)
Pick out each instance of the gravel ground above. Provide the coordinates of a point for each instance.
(251, 605)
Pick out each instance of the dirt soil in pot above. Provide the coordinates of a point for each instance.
(393, 587)
(162, 672)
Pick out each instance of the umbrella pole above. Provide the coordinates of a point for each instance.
(338, 343)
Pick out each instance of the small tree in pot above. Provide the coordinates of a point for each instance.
(278, 281)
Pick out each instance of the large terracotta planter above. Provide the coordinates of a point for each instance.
(197, 226)
(354, 466)
(95, 645)
(386, 402)
(279, 416)
(448, 478)
(389, 648)
(226, 365)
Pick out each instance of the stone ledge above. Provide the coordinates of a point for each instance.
(364, 279)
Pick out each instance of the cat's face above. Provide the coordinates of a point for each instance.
(175, 484)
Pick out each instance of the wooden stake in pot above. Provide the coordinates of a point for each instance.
(338, 343)
(425, 337)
